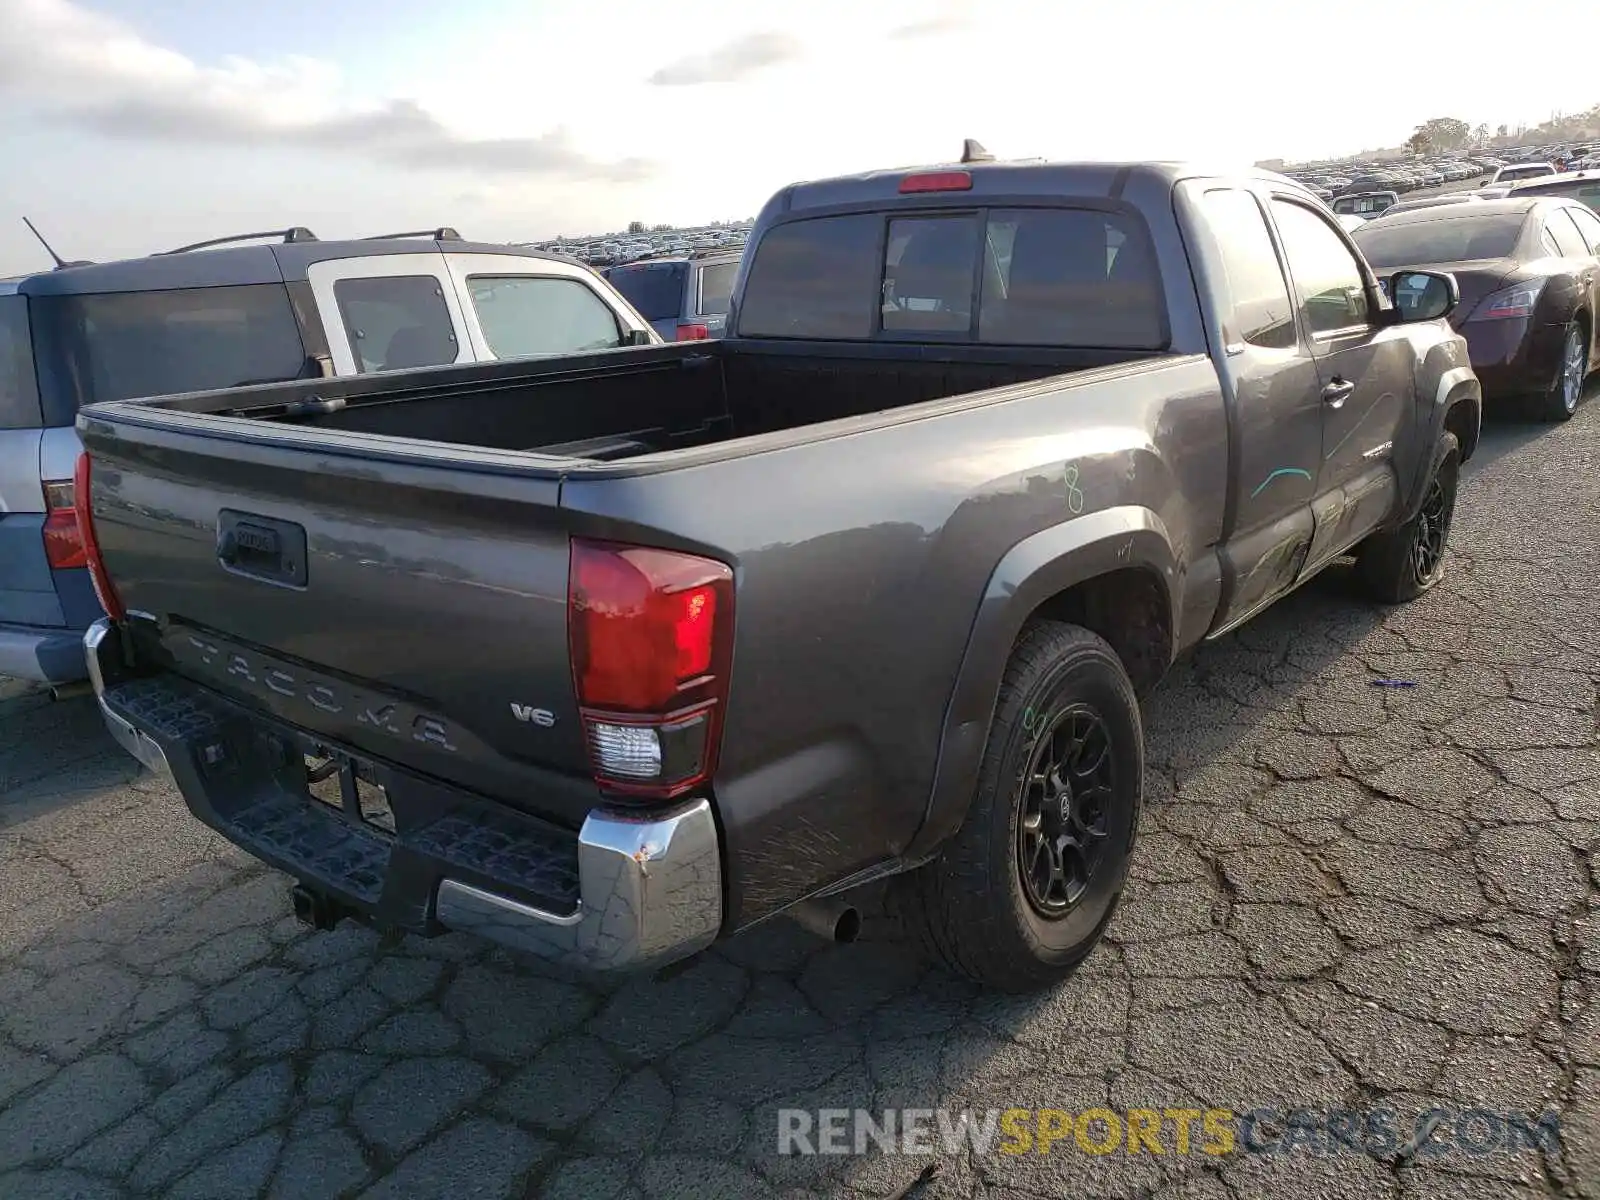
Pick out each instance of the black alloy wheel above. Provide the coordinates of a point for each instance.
(1066, 797)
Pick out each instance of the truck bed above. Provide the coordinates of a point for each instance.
(633, 402)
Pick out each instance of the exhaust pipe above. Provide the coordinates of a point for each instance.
(71, 691)
(830, 919)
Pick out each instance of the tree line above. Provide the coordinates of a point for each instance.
(1446, 135)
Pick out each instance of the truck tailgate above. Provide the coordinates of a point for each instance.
(295, 579)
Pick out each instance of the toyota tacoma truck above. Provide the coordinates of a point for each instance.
(607, 656)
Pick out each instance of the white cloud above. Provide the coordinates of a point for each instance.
(96, 74)
(730, 62)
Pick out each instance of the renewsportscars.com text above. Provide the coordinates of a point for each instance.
(1182, 1131)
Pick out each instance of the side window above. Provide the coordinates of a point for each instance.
(1588, 227)
(523, 315)
(1547, 242)
(396, 321)
(1326, 275)
(927, 274)
(814, 278)
(19, 394)
(127, 344)
(716, 288)
(1256, 285)
(1565, 235)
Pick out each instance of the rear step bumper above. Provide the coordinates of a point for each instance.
(623, 894)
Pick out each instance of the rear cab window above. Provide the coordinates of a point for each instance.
(19, 391)
(1047, 276)
(125, 345)
(395, 322)
(526, 315)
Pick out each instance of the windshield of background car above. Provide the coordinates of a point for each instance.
(19, 393)
(1016, 276)
(123, 345)
(1527, 172)
(1443, 239)
(655, 289)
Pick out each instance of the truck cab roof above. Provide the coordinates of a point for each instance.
(1016, 179)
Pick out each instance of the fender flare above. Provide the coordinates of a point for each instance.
(1456, 384)
(1031, 572)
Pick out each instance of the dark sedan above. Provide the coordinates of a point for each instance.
(1529, 271)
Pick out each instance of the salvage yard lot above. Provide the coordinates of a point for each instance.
(1346, 896)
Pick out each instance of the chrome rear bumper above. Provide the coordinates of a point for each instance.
(648, 889)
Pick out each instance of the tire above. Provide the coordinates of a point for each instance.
(1398, 565)
(971, 907)
(1560, 399)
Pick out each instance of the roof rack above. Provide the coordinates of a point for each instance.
(295, 233)
(442, 234)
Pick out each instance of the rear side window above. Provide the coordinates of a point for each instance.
(716, 288)
(19, 392)
(130, 344)
(1565, 235)
(654, 289)
(1045, 276)
(396, 322)
(1588, 226)
(523, 315)
(1256, 285)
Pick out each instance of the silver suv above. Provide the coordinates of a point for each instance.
(223, 314)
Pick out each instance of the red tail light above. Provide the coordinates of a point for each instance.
(651, 637)
(63, 544)
(693, 332)
(84, 515)
(937, 181)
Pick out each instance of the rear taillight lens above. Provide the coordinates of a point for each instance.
(63, 543)
(109, 600)
(693, 332)
(1518, 301)
(651, 638)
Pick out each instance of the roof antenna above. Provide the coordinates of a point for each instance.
(58, 259)
(972, 151)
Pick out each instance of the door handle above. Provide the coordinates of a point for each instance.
(1337, 392)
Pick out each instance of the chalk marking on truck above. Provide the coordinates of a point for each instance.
(1074, 493)
(1262, 486)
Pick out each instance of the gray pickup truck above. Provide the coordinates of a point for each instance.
(608, 656)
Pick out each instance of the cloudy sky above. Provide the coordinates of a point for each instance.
(133, 125)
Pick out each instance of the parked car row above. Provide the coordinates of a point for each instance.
(615, 249)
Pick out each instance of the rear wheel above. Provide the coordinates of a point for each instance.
(1028, 884)
(1560, 399)
(1397, 565)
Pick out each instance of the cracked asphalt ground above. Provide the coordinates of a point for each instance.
(1346, 896)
